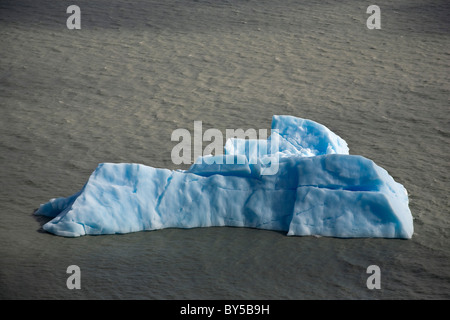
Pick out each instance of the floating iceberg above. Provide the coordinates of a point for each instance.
(318, 189)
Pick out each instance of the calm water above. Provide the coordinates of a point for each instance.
(137, 70)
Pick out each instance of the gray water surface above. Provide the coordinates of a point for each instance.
(137, 70)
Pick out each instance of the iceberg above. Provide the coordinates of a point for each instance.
(318, 189)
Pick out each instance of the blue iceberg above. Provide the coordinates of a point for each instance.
(316, 189)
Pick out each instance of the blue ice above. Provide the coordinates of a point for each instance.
(317, 189)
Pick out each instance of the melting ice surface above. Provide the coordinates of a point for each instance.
(318, 189)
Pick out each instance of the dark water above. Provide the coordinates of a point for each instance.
(137, 70)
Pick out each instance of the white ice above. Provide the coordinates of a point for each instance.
(319, 189)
